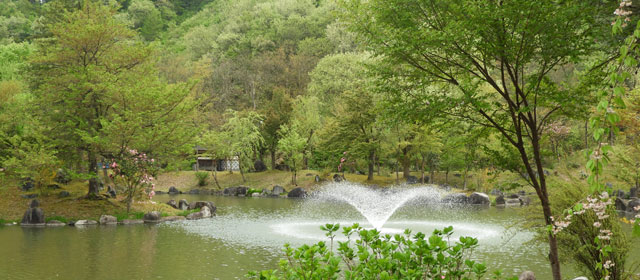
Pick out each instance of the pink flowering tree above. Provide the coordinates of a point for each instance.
(134, 170)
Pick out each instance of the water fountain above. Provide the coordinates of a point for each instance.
(377, 205)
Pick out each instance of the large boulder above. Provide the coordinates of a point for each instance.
(173, 204)
(201, 204)
(152, 217)
(277, 190)
(174, 190)
(259, 166)
(108, 220)
(500, 200)
(183, 204)
(478, 198)
(297, 192)
(34, 216)
(230, 191)
(455, 198)
(242, 191)
(81, 223)
(621, 205)
(205, 212)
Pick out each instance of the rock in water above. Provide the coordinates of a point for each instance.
(85, 223)
(455, 198)
(172, 203)
(478, 198)
(230, 191)
(152, 217)
(631, 207)
(34, 216)
(242, 190)
(205, 212)
(527, 275)
(183, 204)
(108, 220)
(201, 204)
(500, 200)
(55, 223)
(297, 192)
(173, 190)
(277, 190)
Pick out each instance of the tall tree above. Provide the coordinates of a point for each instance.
(493, 58)
(100, 92)
(243, 131)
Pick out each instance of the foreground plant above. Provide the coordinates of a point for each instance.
(368, 254)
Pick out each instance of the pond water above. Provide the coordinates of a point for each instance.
(247, 234)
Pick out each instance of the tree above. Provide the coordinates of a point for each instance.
(307, 120)
(217, 144)
(136, 171)
(100, 92)
(292, 144)
(243, 130)
(493, 60)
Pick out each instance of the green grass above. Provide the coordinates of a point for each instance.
(131, 215)
(187, 212)
(58, 218)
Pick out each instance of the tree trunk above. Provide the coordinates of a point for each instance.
(464, 180)
(406, 163)
(446, 176)
(293, 178)
(94, 183)
(242, 174)
(397, 178)
(372, 162)
(215, 174)
(422, 171)
(433, 173)
(273, 159)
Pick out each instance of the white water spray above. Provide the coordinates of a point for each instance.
(377, 205)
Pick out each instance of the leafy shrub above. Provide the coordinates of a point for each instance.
(375, 256)
(202, 178)
(57, 218)
(252, 190)
(187, 212)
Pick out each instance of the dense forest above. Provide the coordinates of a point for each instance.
(515, 91)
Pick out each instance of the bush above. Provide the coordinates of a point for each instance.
(375, 256)
(202, 178)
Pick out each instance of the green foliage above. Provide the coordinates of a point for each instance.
(131, 215)
(202, 178)
(366, 254)
(187, 212)
(292, 145)
(57, 218)
(244, 136)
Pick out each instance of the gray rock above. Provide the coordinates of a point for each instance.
(174, 190)
(255, 194)
(241, 190)
(27, 185)
(297, 193)
(500, 200)
(194, 191)
(152, 217)
(55, 223)
(183, 204)
(412, 180)
(259, 166)
(455, 198)
(513, 195)
(478, 198)
(513, 202)
(621, 204)
(633, 192)
(205, 212)
(581, 278)
(317, 179)
(34, 216)
(277, 190)
(108, 220)
(131, 222)
(525, 200)
(64, 194)
(338, 178)
(619, 193)
(521, 193)
(81, 223)
(527, 275)
(172, 218)
(202, 204)
(230, 191)
(265, 192)
(173, 204)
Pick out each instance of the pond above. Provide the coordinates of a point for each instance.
(247, 234)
